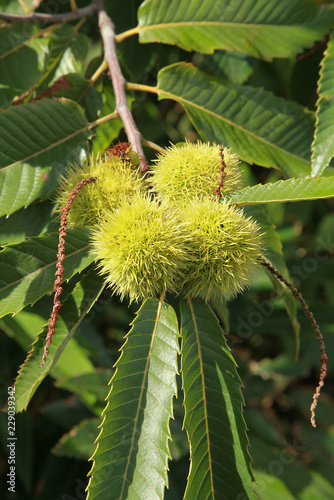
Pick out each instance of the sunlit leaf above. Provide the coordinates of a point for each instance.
(259, 126)
(27, 270)
(130, 460)
(220, 463)
(323, 144)
(262, 28)
(288, 190)
(37, 141)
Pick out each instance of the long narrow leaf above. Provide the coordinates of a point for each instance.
(289, 190)
(130, 461)
(73, 311)
(27, 269)
(220, 464)
(260, 127)
(262, 28)
(323, 144)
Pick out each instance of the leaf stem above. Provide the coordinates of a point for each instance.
(100, 70)
(118, 81)
(36, 17)
(73, 5)
(153, 145)
(141, 88)
(112, 116)
(127, 34)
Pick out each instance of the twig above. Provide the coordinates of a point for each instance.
(60, 268)
(308, 313)
(36, 17)
(118, 81)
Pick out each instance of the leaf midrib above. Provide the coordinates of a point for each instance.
(220, 24)
(161, 299)
(204, 396)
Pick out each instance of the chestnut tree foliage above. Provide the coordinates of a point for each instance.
(207, 394)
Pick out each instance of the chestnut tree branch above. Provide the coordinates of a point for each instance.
(36, 17)
(118, 81)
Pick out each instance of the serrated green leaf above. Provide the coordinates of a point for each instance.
(262, 28)
(71, 314)
(23, 55)
(130, 461)
(220, 464)
(27, 270)
(260, 127)
(323, 144)
(37, 141)
(289, 190)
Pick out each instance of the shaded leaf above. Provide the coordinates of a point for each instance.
(71, 314)
(220, 464)
(27, 270)
(107, 131)
(260, 127)
(23, 328)
(31, 221)
(323, 144)
(232, 65)
(273, 252)
(293, 481)
(288, 190)
(23, 56)
(79, 442)
(262, 28)
(130, 460)
(77, 88)
(68, 49)
(37, 141)
(91, 388)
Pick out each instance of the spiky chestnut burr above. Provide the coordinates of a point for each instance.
(116, 181)
(192, 172)
(141, 249)
(224, 249)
